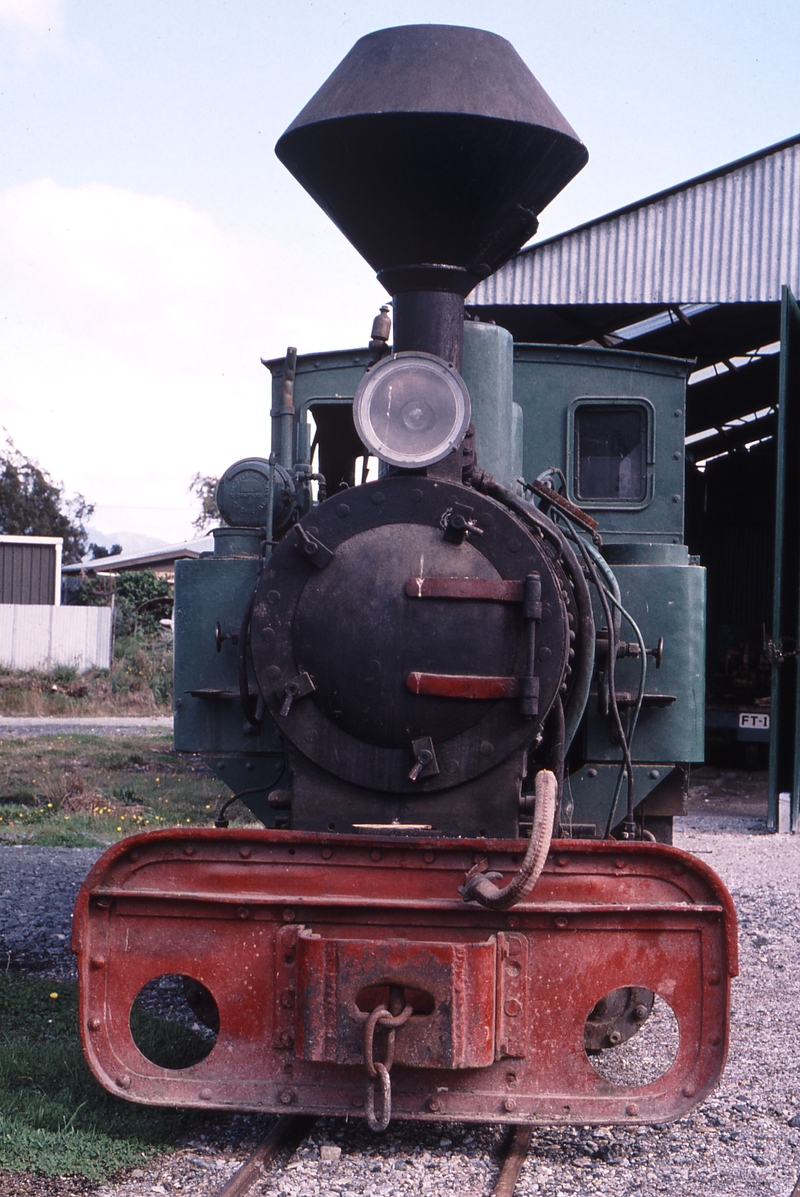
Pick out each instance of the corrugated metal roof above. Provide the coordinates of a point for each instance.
(166, 555)
(730, 236)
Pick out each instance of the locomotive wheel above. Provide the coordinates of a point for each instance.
(617, 1017)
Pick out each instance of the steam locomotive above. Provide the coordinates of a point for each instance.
(448, 650)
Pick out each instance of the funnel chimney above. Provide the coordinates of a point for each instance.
(433, 148)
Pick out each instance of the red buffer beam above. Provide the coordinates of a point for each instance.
(299, 936)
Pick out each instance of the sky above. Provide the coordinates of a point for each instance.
(153, 249)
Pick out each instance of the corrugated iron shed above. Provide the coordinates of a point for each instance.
(696, 271)
(729, 237)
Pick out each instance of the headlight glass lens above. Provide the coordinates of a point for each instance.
(411, 409)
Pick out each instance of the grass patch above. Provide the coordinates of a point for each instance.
(54, 1117)
(138, 683)
(81, 790)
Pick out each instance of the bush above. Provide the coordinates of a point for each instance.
(90, 591)
(142, 601)
(143, 664)
(64, 674)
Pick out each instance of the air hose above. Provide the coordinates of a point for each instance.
(584, 660)
(479, 886)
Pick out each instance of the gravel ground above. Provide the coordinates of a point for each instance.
(739, 1143)
(48, 725)
(38, 887)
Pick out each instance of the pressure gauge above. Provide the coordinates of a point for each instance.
(411, 409)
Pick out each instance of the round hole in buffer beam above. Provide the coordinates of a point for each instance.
(631, 1036)
(174, 1021)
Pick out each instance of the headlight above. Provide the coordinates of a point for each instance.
(411, 409)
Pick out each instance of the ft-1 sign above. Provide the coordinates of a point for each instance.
(759, 721)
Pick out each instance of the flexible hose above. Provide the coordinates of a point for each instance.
(583, 666)
(479, 886)
(611, 664)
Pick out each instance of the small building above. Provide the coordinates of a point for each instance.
(36, 632)
(30, 570)
(161, 560)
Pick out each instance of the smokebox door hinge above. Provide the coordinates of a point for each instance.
(425, 764)
(312, 549)
(298, 687)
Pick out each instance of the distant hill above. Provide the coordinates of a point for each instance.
(132, 542)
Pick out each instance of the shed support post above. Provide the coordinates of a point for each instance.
(784, 750)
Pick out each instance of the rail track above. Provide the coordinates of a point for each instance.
(291, 1129)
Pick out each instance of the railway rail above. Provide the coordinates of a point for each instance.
(291, 1129)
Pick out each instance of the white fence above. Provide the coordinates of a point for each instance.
(38, 637)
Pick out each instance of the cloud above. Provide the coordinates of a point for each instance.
(130, 333)
(130, 329)
(142, 276)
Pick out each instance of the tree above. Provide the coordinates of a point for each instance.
(99, 551)
(32, 504)
(204, 488)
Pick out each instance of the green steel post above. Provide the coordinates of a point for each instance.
(784, 757)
